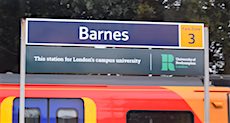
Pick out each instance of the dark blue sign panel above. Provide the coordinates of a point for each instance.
(42, 59)
(45, 32)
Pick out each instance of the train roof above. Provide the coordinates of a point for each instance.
(102, 80)
(217, 80)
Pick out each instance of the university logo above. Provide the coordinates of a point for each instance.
(167, 62)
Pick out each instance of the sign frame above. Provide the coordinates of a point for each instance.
(24, 42)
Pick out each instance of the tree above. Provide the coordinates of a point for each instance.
(214, 13)
(9, 36)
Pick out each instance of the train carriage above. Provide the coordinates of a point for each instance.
(111, 99)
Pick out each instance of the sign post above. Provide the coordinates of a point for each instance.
(22, 72)
(206, 77)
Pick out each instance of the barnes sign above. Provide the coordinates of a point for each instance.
(60, 32)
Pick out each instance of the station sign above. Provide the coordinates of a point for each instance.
(114, 61)
(61, 32)
(126, 47)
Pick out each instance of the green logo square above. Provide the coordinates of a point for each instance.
(167, 62)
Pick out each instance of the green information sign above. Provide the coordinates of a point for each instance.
(114, 61)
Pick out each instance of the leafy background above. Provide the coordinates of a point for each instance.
(215, 14)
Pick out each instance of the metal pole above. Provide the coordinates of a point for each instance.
(206, 77)
(22, 73)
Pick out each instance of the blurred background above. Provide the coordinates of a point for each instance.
(215, 14)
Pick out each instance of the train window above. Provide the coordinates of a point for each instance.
(160, 117)
(32, 115)
(67, 116)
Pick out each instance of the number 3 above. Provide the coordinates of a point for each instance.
(192, 38)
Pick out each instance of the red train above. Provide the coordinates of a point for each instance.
(111, 100)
